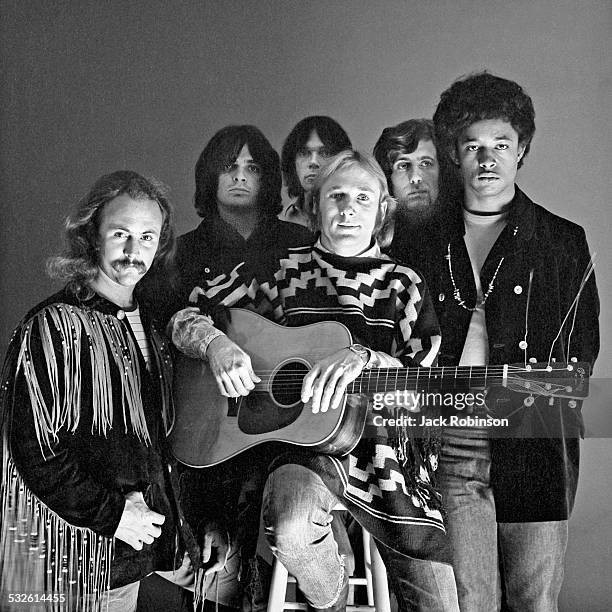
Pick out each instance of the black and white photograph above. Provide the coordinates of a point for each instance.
(305, 306)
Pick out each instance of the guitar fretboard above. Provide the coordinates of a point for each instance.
(428, 379)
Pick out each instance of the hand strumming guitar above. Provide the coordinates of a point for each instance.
(231, 367)
(325, 384)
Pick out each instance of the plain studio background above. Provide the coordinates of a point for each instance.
(90, 87)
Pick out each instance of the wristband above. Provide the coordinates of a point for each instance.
(363, 352)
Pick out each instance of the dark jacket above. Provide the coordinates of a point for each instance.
(545, 259)
(218, 494)
(211, 249)
(86, 469)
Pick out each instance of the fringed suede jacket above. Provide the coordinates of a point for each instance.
(84, 423)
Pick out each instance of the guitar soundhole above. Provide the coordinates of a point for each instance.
(287, 383)
(265, 411)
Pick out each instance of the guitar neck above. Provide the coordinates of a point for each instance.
(381, 380)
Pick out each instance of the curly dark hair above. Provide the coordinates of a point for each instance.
(223, 149)
(78, 264)
(478, 97)
(400, 139)
(332, 135)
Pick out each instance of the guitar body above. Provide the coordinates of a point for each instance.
(210, 428)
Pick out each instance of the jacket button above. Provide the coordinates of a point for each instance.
(523, 345)
(120, 314)
(441, 297)
(207, 270)
(518, 290)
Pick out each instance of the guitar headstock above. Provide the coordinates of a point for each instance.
(555, 379)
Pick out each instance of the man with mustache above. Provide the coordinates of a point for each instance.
(512, 281)
(310, 144)
(407, 154)
(88, 496)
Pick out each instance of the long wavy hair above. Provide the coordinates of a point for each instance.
(383, 228)
(223, 149)
(77, 265)
(332, 135)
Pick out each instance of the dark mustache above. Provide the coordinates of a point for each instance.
(121, 264)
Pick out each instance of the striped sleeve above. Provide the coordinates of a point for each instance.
(192, 330)
(418, 333)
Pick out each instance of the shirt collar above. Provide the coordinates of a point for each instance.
(373, 251)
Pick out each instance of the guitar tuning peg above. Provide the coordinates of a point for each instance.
(533, 360)
(574, 359)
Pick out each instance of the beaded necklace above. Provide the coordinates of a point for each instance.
(457, 293)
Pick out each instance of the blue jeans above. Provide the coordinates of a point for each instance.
(529, 555)
(297, 518)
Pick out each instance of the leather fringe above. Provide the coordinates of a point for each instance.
(42, 554)
(64, 374)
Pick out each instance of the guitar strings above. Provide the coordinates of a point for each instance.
(434, 373)
(292, 380)
(462, 370)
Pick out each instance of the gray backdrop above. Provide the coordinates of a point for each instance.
(89, 87)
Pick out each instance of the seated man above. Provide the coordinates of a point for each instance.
(309, 145)
(385, 481)
(88, 497)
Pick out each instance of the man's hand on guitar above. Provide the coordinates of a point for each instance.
(328, 379)
(231, 367)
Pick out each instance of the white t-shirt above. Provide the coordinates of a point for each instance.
(133, 317)
(481, 232)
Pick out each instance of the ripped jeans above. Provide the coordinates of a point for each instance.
(297, 518)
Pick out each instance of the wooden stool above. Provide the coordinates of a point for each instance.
(375, 581)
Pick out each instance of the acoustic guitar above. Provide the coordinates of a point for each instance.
(210, 428)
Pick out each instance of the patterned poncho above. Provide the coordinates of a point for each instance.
(386, 480)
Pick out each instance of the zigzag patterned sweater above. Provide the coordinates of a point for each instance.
(386, 481)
